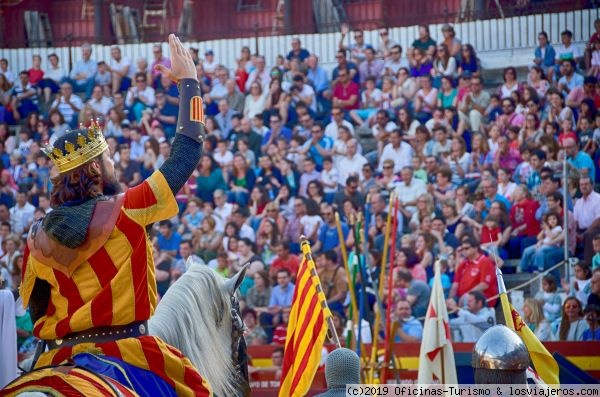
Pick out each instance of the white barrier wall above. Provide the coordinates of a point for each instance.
(498, 42)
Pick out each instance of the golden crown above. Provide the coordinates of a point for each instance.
(78, 150)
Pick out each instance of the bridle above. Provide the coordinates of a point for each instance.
(239, 355)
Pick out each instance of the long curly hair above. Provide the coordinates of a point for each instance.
(80, 183)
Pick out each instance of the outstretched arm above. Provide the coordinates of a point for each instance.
(187, 146)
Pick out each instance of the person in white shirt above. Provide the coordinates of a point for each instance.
(260, 75)
(53, 75)
(301, 92)
(587, 216)
(222, 211)
(99, 103)
(408, 191)
(21, 215)
(395, 62)
(330, 177)
(121, 69)
(140, 96)
(398, 151)
(567, 50)
(9, 74)
(67, 104)
(382, 128)
(331, 130)
(351, 163)
(209, 62)
(473, 320)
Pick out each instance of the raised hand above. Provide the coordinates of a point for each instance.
(182, 65)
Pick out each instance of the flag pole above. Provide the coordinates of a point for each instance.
(388, 310)
(353, 306)
(508, 319)
(379, 313)
(313, 272)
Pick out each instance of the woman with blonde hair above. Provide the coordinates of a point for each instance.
(425, 207)
(533, 315)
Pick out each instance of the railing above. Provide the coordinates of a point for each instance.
(220, 19)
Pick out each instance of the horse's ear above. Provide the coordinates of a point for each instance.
(233, 283)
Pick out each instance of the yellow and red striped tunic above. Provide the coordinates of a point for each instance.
(113, 285)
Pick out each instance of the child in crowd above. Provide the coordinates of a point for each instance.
(566, 131)
(330, 178)
(491, 234)
(580, 286)
(595, 69)
(222, 155)
(585, 133)
(103, 78)
(596, 257)
(550, 298)
(494, 109)
(419, 172)
(549, 239)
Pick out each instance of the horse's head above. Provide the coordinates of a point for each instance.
(200, 316)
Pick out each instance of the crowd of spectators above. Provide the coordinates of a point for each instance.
(476, 171)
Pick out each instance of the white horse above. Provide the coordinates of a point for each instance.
(196, 316)
(199, 316)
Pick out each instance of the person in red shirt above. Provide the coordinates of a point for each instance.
(345, 92)
(525, 228)
(36, 74)
(284, 260)
(476, 273)
(566, 132)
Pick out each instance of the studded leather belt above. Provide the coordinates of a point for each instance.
(101, 335)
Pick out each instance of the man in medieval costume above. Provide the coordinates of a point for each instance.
(88, 274)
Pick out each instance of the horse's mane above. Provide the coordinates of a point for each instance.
(195, 316)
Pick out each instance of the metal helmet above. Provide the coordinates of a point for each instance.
(500, 348)
(341, 368)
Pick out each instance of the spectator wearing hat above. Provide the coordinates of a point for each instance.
(209, 63)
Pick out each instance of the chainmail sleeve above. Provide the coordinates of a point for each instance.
(187, 146)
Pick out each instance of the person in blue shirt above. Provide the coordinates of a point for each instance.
(168, 240)
(545, 55)
(490, 191)
(329, 239)
(579, 159)
(318, 146)
(592, 316)
(410, 329)
(82, 74)
(277, 130)
(297, 51)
